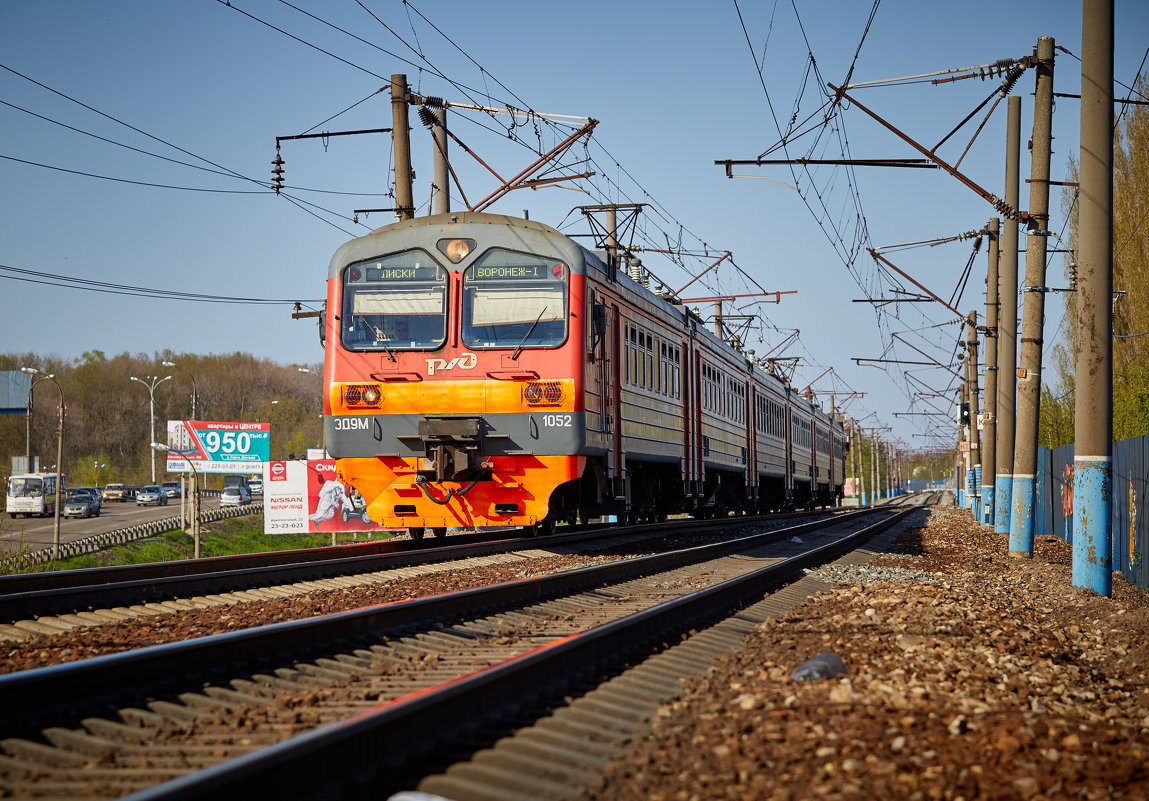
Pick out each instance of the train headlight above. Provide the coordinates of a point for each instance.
(456, 249)
(362, 395)
(543, 393)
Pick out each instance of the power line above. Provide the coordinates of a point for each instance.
(87, 284)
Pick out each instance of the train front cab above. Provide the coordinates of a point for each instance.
(453, 370)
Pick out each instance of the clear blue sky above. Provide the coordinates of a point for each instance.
(674, 85)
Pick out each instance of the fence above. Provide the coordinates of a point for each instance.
(1129, 526)
(96, 542)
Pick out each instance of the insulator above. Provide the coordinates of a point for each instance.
(1010, 80)
(434, 102)
(427, 117)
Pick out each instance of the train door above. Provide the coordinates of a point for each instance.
(612, 395)
(682, 381)
(788, 425)
(752, 439)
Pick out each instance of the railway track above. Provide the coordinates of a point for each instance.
(367, 702)
(87, 597)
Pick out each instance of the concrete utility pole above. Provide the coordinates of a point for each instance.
(989, 440)
(1021, 515)
(963, 452)
(974, 435)
(876, 463)
(441, 193)
(1007, 326)
(1093, 402)
(401, 136)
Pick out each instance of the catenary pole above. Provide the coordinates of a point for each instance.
(989, 440)
(1022, 519)
(441, 197)
(1007, 325)
(1093, 402)
(974, 408)
(401, 136)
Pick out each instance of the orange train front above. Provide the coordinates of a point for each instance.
(453, 370)
(484, 370)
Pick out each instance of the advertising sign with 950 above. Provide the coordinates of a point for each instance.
(215, 447)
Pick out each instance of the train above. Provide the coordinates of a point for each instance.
(484, 370)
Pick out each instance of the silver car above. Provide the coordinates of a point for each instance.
(234, 496)
(82, 504)
(151, 494)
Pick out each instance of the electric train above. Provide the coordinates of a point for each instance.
(484, 370)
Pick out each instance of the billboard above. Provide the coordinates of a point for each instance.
(306, 496)
(215, 447)
(14, 389)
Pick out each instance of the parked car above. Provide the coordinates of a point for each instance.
(115, 492)
(255, 485)
(151, 494)
(82, 504)
(171, 489)
(234, 496)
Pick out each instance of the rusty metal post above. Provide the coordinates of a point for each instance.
(401, 136)
(1022, 518)
(1007, 326)
(989, 439)
(1093, 403)
(974, 434)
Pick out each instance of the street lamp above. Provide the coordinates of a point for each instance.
(59, 454)
(261, 408)
(159, 446)
(195, 396)
(195, 392)
(96, 464)
(28, 416)
(151, 383)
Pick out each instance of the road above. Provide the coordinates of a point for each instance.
(34, 533)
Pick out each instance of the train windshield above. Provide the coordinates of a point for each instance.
(514, 299)
(398, 302)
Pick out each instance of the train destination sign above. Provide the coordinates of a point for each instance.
(217, 447)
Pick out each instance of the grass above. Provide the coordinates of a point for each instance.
(228, 537)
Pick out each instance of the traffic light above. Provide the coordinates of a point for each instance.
(965, 414)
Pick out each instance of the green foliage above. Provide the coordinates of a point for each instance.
(107, 415)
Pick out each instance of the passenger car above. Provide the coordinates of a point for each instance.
(151, 494)
(171, 489)
(82, 504)
(234, 496)
(90, 490)
(255, 485)
(115, 492)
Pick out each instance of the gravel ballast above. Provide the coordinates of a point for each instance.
(970, 674)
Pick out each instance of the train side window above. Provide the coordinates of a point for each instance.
(595, 326)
